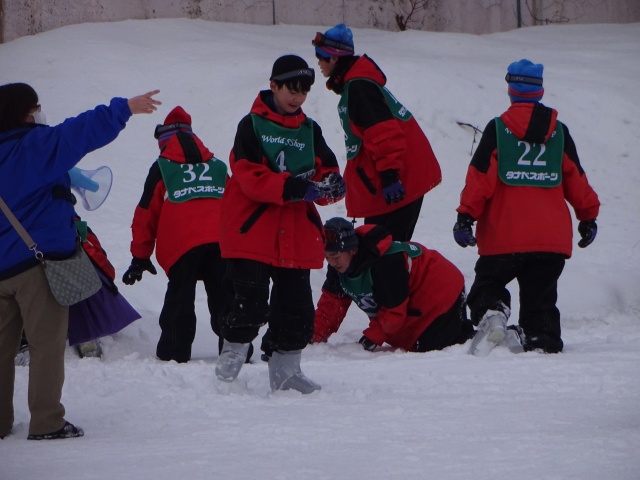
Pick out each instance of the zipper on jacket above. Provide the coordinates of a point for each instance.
(253, 218)
(367, 182)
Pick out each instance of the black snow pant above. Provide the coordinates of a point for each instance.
(178, 315)
(288, 308)
(537, 274)
(451, 328)
(401, 222)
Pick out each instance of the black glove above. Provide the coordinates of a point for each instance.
(337, 186)
(392, 189)
(367, 344)
(587, 230)
(462, 231)
(134, 272)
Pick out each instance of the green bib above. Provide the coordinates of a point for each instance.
(524, 164)
(360, 288)
(287, 149)
(186, 181)
(353, 142)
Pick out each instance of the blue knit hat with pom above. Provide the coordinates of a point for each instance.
(525, 81)
(335, 42)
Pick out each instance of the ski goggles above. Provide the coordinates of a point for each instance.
(299, 73)
(511, 78)
(162, 130)
(321, 40)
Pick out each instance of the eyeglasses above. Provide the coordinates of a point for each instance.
(321, 58)
(302, 72)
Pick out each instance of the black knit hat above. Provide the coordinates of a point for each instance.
(340, 235)
(291, 67)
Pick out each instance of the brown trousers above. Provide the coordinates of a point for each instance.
(26, 302)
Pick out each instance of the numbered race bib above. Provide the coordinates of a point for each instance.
(351, 140)
(187, 181)
(286, 149)
(525, 164)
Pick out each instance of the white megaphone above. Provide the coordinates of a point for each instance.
(93, 186)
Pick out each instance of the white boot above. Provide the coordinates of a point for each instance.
(285, 373)
(491, 331)
(232, 357)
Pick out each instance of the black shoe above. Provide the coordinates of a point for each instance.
(68, 431)
(544, 343)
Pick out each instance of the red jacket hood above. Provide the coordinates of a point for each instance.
(261, 107)
(174, 150)
(374, 238)
(530, 121)
(361, 67)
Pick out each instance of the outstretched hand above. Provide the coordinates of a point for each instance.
(144, 103)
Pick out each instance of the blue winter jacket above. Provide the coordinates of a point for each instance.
(34, 182)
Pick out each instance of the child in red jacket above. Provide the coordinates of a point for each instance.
(391, 165)
(413, 296)
(179, 215)
(520, 179)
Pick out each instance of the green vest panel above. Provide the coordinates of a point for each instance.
(360, 288)
(287, 149)
(524, 164)
(353, 142)
(186, 181)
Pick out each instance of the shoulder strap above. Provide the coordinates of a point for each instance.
(20, 229)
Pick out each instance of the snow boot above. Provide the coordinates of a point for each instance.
(232, 357)
(514, 339)
(285, 373)
(23, 357)
(491, 331)
(91, 348)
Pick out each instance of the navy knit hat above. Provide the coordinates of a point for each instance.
(340, 235)
(525, 81)
(335, 42)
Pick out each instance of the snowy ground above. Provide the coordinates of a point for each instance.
(442, 415)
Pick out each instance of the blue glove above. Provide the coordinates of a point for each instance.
(588, 231)
(134, 272)
(392, 189)
(316, 191)
(367, 344)
(462, 231)
(80, 181)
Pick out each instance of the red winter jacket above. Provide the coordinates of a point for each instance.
(173, 228)
(387, 143)
(410, 293)
(257, 222)
(514, 219)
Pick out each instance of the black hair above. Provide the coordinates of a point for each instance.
(16, 101)
(298, 84)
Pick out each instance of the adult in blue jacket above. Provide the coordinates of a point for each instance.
(34, 182)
